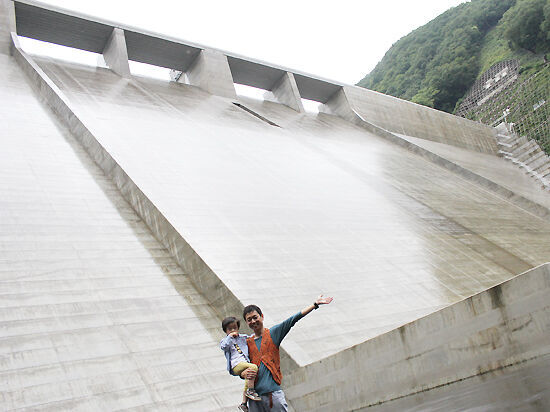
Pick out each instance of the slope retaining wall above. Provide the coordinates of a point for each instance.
(501, 327)
(400, 116)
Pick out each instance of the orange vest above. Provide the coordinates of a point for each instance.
(268, 355)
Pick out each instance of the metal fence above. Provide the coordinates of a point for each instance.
(524, 104)
(495, 79)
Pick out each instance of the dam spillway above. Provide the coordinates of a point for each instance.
(137, 212)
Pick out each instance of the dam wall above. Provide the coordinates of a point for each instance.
(216, 70)
(506, 326)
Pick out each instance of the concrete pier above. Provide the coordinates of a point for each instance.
(210, 72)
(7, 18)
(116, 54)
(286, 92)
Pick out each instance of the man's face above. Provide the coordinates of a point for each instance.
(254, 321)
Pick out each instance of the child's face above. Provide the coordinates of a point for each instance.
(231, 328)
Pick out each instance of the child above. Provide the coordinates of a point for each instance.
(236, 352)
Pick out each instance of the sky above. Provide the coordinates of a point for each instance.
(339, 40)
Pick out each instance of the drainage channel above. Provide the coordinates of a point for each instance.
(253, 113)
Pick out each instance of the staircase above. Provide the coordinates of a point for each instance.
(525, 153)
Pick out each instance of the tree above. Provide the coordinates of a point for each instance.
(523, 24)
(425, 96)
(545, 26)
(436, 64)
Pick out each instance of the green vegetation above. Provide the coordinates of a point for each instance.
(524, 27)
(436, 64)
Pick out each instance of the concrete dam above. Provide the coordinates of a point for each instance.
(136, 213)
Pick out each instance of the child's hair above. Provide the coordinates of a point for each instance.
(229, 320)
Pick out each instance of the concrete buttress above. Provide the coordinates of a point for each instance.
(210, 71)
(116, 54)
(285, 91)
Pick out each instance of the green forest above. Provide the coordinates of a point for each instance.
(436, 64)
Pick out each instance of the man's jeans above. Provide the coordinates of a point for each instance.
(279, 403)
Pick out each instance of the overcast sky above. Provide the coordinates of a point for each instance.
(340, 39)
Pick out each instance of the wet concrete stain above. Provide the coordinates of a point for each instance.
(427, 214)
(496, 297)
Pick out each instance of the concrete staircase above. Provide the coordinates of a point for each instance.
(525, 153)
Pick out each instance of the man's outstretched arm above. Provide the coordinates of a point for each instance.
(321, 300)
(278, 332)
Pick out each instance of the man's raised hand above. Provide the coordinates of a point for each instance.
(323, 300)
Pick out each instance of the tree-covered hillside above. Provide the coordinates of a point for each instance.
(437, 63)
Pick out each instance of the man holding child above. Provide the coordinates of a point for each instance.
(263, 349)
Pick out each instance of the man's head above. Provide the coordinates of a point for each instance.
(254, 318)
(231, 324)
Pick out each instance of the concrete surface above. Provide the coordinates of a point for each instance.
(464, 348)
(99, 314)
(519, 389)
(314, 199)
(530, 158)
(200, 273)
(94, 313)
(465, 163)
(496, 169)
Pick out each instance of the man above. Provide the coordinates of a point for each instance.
(263, 348)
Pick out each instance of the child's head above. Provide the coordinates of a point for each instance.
(231, 324)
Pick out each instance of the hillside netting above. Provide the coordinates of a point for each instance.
(523, 104)
(497, 78)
